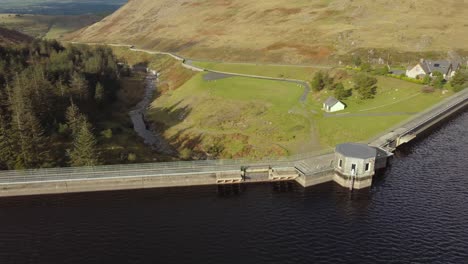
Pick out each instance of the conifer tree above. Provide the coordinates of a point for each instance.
(84, 152)
(99, 93)
(74, 118)
(32, 144)
(318, 82)
(7, 145)
(79, 85)
(365, 85)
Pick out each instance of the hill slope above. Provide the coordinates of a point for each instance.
(40, 26)
(8, 36)
(284, 30)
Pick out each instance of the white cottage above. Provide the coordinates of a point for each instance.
(333, 105)
(428, 67)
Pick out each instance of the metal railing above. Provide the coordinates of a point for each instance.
(423, 117)
(159, 169)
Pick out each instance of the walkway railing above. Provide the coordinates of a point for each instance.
(159, 169)
(409, 126)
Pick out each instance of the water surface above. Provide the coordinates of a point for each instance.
(416, 212)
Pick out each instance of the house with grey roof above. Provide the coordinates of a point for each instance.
(333, 105)
(429, 67)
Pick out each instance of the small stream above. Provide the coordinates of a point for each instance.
(152, 139)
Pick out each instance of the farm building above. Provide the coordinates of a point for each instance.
(333, 105)
(428, 68)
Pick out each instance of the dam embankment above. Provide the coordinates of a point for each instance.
(158, 175)
(307, 170)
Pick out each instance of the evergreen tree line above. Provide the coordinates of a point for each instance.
(47, 93)
(364, 85)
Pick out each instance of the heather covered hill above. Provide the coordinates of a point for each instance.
(295, 31)
(12, 37)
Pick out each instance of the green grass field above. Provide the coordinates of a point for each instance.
(249, 117)
(396, 101)
(258, 118)
(255, 118)
(276, 71)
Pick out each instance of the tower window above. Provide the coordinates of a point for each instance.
(367, 166)
(340, 164)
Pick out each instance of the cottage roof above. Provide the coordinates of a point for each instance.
(356, 150)
(331, 101)
(440, 66)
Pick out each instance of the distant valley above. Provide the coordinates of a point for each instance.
(60, 7)
(52, 19)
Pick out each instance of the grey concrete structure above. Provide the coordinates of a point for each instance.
(354, 165)
(421, 123)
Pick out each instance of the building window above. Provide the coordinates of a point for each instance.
(340, 164)
(367, 166)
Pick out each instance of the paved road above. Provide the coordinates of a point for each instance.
(213, 76)
(328, 115)
(217, 75)
(189, 64)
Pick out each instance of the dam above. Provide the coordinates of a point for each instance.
(351, 165)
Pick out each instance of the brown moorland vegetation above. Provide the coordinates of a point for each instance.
(299, 31)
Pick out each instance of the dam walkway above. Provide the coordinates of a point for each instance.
(420, 123)
(161, 174)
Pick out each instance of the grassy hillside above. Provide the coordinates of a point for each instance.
(41, 26)
(245, 117)
(173, 75)
(395, 102)
(305, 127)
(12, 37)
(299, 31)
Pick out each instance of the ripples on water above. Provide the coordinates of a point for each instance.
(416, 212)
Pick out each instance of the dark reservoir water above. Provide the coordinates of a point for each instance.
(416, 213)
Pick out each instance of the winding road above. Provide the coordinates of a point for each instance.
(215, 75)
(188, 63)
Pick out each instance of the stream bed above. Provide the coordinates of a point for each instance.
(137, 115)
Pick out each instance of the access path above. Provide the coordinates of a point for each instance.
(188, 63)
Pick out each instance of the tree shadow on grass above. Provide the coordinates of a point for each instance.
(140, 67)
(184, 140)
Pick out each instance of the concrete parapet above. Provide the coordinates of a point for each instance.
(283, 174)
(106, 184)
(23, 189)
(229, 177)
(179, 180)
(352, 183)
(316, 178)
(110, 184)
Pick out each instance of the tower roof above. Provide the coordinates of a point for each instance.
(356, 150)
